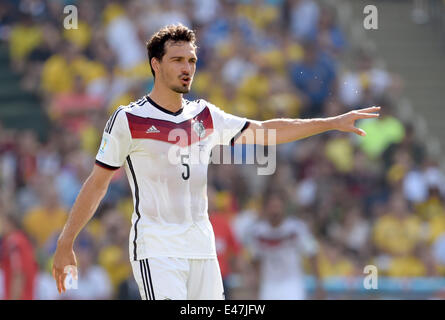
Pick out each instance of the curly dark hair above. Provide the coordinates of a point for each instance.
(171, 32)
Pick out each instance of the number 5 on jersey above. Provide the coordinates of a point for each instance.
(186, 174)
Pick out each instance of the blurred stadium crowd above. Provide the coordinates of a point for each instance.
(376, 200)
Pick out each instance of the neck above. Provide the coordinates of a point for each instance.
(166, 98)
(275, 223)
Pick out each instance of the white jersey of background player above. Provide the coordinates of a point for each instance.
(278, 245)
(172, 246)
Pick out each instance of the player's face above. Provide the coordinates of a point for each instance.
(178, 66)
(275, 210)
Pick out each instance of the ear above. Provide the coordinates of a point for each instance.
(155, 64)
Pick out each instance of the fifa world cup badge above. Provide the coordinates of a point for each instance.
(103, 145)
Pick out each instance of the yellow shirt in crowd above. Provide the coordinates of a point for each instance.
(23, 40)
(340, 267)
(397, 236)
(81, 36)
(406, 266)
(41, 224)
(58, 74)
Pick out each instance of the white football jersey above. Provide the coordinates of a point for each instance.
(159, 149)
(280, 249)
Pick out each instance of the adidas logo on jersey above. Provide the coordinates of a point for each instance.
(152, 129)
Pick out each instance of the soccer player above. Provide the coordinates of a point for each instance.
(171, 243)
(17, 260)
(278, 244)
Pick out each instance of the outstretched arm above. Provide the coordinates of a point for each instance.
(92, 192)
(288, 130)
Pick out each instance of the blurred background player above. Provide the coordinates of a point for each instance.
(279, 244)
(17, 260)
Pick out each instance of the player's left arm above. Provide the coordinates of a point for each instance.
(288, 130)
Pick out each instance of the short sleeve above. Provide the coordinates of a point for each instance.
(252, 244)
(116, 140)
(227, 126)
(306, 242)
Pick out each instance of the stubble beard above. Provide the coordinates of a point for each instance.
(181, 89)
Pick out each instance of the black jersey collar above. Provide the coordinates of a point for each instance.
(157, 106)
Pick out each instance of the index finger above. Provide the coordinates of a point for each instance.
(366, 115)
(370, 109)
